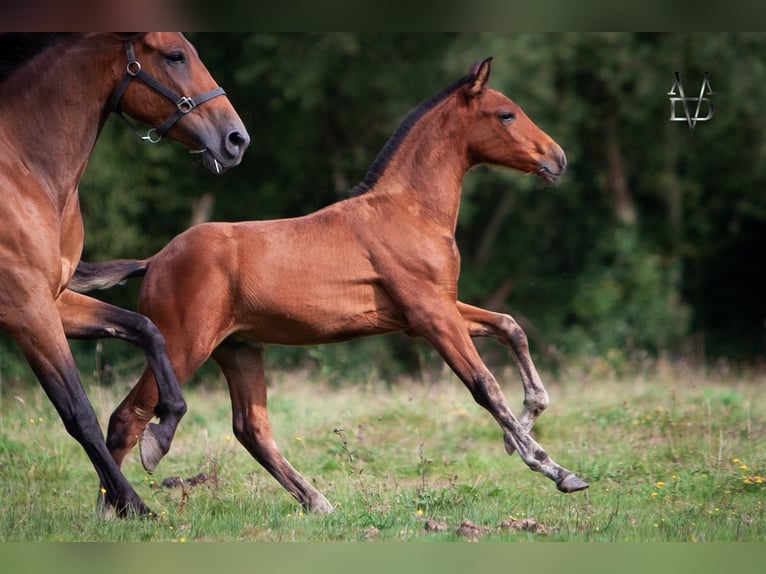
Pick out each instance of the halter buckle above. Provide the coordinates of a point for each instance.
(185, 104)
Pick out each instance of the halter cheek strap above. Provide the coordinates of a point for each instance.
(184, 104)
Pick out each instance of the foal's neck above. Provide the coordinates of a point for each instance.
(428, 169)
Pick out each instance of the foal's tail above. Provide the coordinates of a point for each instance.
(90, 276)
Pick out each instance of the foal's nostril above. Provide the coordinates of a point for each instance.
(236, 142)
(559, 157)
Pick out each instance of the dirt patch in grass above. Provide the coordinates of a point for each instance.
(468, 529)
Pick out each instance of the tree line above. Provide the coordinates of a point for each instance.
(651, 244)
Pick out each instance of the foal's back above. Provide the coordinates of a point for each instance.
(301, 281)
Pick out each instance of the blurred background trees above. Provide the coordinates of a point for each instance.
(650, 245)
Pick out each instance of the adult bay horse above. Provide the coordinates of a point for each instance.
(383, 260)
(56, 92)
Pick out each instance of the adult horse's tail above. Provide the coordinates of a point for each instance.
(90, 276)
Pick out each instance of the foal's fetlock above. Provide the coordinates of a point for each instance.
(509, 448)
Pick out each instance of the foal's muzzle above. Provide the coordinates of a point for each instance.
(551, 166)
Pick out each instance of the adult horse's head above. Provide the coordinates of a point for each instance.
(502, 134)
(165, 84)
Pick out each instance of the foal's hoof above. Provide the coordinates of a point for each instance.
(149, 447)
(320, 505)
(570, 483)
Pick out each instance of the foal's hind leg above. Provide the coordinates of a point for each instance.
(130, 421)
(130, 418)
(242, 365)
(87, 318)
(483, 323)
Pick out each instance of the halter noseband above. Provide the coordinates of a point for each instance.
(184, 104)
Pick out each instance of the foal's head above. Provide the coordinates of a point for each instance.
(500, 133)
(203, 121)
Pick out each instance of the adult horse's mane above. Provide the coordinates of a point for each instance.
(18, 48)
(384, 156)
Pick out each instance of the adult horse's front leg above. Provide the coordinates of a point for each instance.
(445, 328)
(87, 318)
(503, 328)
(40, 336)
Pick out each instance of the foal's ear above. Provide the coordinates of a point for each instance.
(478, 75)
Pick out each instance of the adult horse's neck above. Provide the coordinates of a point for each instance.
(53, 109)
(427, 167)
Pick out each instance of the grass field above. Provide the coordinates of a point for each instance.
(672, 454)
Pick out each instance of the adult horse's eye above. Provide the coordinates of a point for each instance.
(506, 117)
(176, 57)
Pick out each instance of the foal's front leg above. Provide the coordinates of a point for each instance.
(445, 328)
(503, 328)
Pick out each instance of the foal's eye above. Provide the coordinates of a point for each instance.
(506, 117)
(176, 57)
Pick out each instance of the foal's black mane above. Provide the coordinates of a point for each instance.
(18, 48)
(393, 143)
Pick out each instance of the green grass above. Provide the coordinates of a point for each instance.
(673, 455)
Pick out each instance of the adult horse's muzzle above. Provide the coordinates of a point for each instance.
(217, 158)
(228, 153)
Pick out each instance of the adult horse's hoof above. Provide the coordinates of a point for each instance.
(149, 448)
(570, 483)
(133, 508)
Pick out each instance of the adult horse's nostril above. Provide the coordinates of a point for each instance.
(236, 142)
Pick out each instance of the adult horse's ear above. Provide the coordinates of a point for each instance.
(478, 76)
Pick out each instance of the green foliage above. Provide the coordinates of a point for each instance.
(627, 298)
(651, 242)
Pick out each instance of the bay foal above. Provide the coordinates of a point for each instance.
(384, 260)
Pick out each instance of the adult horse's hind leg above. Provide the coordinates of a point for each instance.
(444, 327)
(483, 323)
(242, 365)
(42, 340)
(87, 318)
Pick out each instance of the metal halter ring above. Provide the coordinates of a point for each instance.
(133, 68)
(152, 136)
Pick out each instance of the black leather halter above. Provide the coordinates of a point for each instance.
(184, 104)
